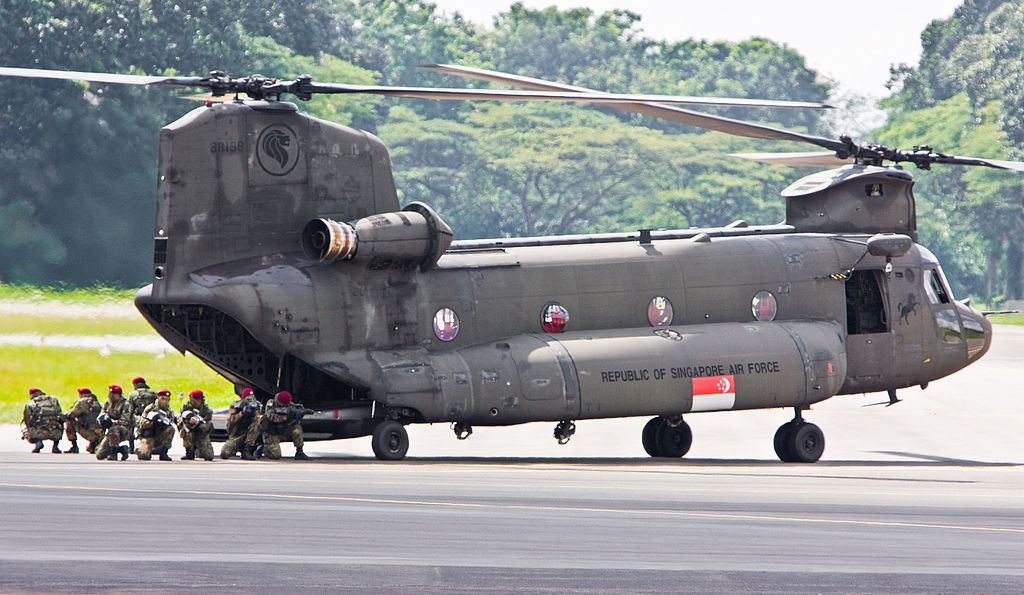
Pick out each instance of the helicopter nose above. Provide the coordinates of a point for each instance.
(977, 331)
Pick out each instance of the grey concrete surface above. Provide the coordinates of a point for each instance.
(925, 496)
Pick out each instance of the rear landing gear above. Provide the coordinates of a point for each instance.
(667, 437)
(390, 441)
(798, 441)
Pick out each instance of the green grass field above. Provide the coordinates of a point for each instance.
(60, 371)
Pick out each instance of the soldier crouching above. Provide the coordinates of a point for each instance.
(195, 427)
(43, 420)
(81, 421)
(114, 419)
(156, 428)
(281, 420)
(243, 426)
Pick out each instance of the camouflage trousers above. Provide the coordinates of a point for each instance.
(234, 443)
(198, 442)
(161, 442)
(272, 440)
(44, 430)
(113, 438)
(74, 428)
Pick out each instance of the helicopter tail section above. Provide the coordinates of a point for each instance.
(240, 180)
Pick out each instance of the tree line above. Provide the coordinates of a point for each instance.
(77, 162)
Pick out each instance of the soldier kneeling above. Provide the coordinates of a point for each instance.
(281, 420)
(243, 426)
(43, 420)
(195, 427)
(156, 428)
(82, 421)
(114, 420)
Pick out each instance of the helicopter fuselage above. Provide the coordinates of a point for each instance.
(283, 261)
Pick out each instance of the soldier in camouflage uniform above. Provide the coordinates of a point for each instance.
(194, 426)
(281, 420)
(81, 421)
(43, 420)
(139, 399)
(243, 426)
(156, 428)
(116, 419)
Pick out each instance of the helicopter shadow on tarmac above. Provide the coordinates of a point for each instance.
(647, 465)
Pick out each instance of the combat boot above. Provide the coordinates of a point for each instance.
(190, 455)
(113, 455)
(39, 446)
(74, 447)
(124, 452)
(91, 449)
(247, 454)
(164, 456)
(56, 449)
(301, 456)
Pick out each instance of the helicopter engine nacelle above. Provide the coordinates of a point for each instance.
(414, 236)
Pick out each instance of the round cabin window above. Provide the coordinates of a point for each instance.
(764, 306)
(446, 324)
(554, 318)
(659, 311)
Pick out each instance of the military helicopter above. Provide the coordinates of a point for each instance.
(283, 260)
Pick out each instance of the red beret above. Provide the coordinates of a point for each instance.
(196, 394)
(163, 393)
(138, 380)
(248, 391)
(284, 397)
(115, 389)
(84, 391)
(33, 391)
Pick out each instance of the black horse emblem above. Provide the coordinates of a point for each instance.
(908, 308)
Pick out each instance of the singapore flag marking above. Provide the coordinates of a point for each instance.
(714, 393)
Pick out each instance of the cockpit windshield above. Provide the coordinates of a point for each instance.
(935, 286)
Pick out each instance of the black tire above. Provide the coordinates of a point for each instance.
(674, 442)
(390, 441)
(650, 438)
(806, 443)
(782, 442)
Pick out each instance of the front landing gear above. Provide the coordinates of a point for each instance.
(798, 441)
(667, 437)
(390, 441)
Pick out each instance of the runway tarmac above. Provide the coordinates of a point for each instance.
(926, 496)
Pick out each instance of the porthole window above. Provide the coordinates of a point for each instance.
(554, 318)
(446, 324)
(764, 306)
(659, 311)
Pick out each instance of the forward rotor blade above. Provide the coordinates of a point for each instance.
(100, 77)
(653, 109)
(813, 159)
(568, 96)
(996, 163)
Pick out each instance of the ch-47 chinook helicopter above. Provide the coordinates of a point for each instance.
(283, 260)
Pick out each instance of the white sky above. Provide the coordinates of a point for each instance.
(851, 42)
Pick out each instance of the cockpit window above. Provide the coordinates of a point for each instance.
(935, 287)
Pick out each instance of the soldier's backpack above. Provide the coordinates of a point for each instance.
(46, 409)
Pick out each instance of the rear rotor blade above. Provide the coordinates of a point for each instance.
(653, 109)
(529, 95)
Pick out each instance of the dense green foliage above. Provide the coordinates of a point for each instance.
(967, 97)
(78, 161)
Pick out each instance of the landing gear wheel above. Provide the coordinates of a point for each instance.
(782, 441)
(673, 442)
(390, 441)
(649, 436)
(806, 443)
